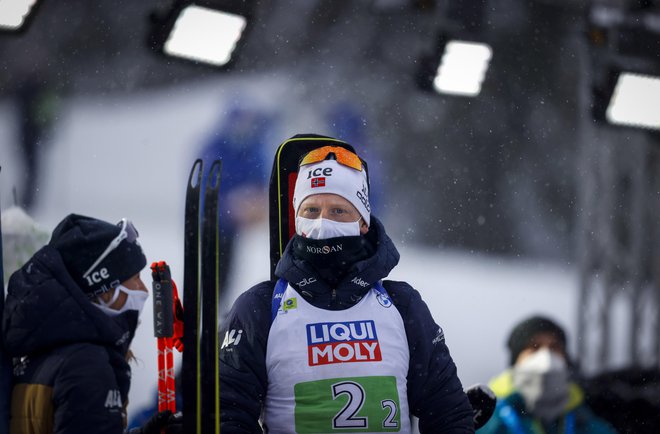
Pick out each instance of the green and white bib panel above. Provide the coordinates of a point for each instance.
(337, 371)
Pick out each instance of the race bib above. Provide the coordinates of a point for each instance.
(352, 404)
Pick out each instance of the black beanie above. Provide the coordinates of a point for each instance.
(81, 240)
(522, 334)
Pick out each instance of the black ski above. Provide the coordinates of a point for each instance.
(5, 362)
(210, 379)
(190, 379)
(200, 370)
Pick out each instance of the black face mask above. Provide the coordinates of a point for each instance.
(333, 257)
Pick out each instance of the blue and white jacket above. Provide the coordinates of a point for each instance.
(435, 393)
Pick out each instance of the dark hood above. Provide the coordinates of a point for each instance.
(304, 278)
(45, 308)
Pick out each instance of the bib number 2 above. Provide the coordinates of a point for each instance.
(358, 404)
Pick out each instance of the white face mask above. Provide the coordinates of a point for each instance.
(134, 301)
(542, 380)
(321, 229)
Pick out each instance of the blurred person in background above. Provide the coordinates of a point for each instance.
(69, 318)
(329, 346)
(536, 395)
(348, 123)
(37, 104)
(242, 141)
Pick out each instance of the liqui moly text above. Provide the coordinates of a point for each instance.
(342, 342)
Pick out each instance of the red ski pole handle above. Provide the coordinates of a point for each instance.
(168, 329)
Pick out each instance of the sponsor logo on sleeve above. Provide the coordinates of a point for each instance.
(232, 337)
(113, 399)
(439, 336)
(342, 342)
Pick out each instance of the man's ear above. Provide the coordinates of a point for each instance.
(364, 228)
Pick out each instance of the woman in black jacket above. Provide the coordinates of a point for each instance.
(70, 315)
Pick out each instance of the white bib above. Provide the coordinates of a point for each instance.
(337, 371)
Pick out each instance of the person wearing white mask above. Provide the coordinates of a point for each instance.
(536, 395)
(330, 346)
(69, 318)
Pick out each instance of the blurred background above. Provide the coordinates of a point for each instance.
(526, 190)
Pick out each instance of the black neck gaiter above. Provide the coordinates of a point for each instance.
(332, 258)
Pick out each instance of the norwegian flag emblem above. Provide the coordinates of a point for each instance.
(318, 182)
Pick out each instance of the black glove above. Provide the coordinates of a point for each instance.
(483, 401)
(172, 423)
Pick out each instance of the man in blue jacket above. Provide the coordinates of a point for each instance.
(535, 395)
(330, 346)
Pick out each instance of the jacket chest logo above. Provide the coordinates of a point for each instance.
(342, 342)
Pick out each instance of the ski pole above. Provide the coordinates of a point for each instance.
(168, 329)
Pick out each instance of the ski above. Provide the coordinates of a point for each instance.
(209, 356)
(200, 370)
(191, 381)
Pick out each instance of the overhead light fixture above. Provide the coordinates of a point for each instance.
(14, 13)
(207, 32)
(625, 72)
(635, 101)
(205, 35)
(461, 55)
(462, 68)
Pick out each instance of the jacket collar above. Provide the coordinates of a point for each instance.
(304, 278)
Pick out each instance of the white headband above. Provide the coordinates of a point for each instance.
(329, 176)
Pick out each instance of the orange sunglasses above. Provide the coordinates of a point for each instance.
(343, 156)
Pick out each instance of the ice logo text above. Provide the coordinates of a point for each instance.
(342, 342)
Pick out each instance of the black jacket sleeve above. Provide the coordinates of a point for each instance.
(435, 393)
(243, 378)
